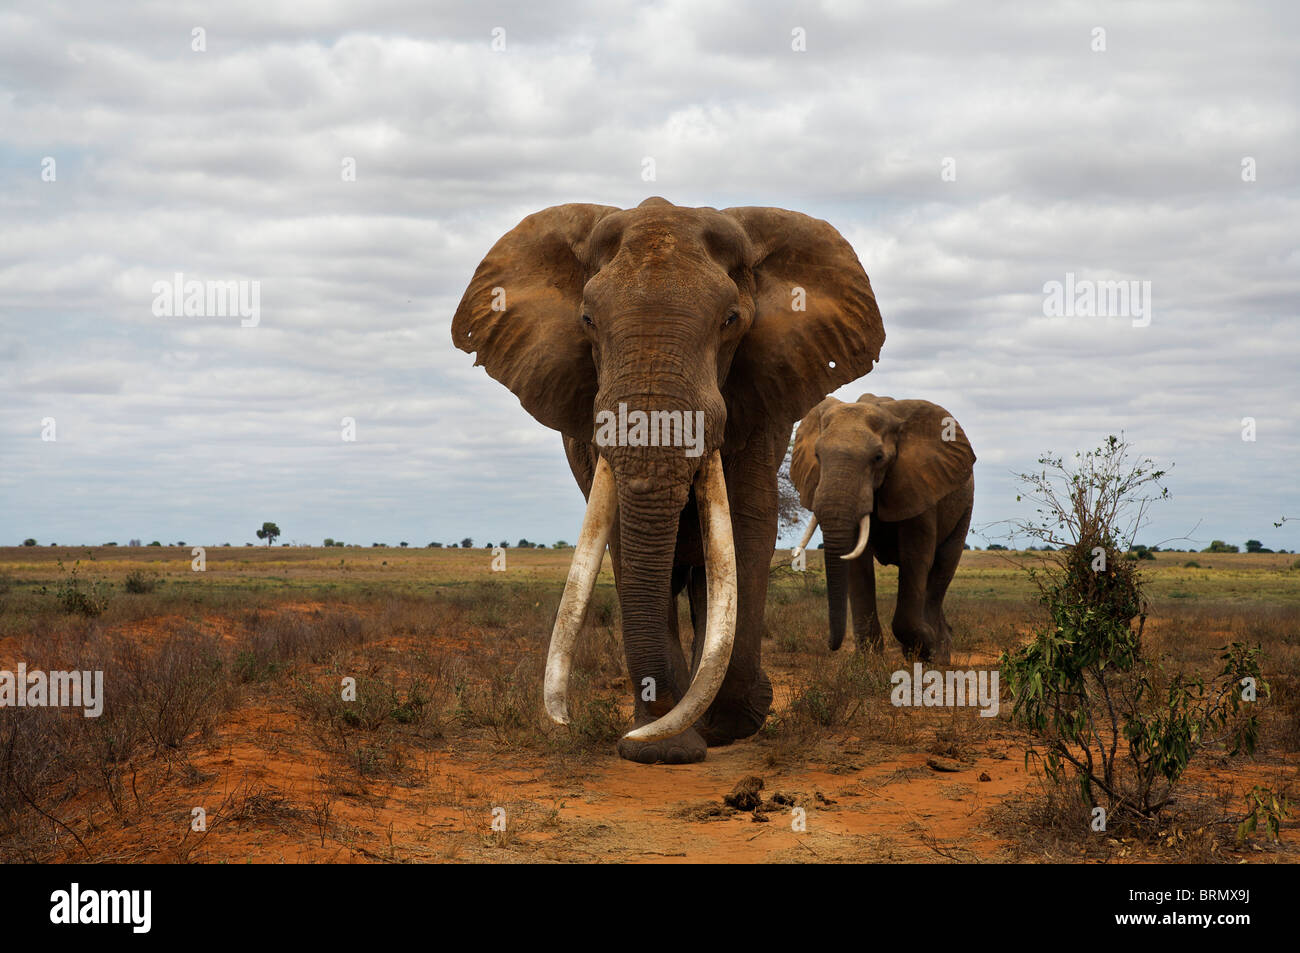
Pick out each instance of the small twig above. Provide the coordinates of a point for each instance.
(807, 848)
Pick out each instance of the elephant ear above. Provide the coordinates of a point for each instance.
(805, 472)
(928, 466)
(816, 324)
(520, 316)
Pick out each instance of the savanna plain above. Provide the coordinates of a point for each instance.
(228, 733)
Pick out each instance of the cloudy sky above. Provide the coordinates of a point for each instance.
(971, 153)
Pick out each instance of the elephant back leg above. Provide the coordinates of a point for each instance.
(911, 625)
(697, 596)
(946, 559)
(862, 597)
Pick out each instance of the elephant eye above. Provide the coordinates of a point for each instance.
(586, 319)
(732, 318)
(880, 456)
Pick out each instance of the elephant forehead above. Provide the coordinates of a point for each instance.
(864, 420)
(661, 231)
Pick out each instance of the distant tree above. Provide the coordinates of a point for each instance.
(329, 541)
(179, 543)
(1254, 546)
(467, 543)
(133, 542)
(29, 541)
(403, 544)
(114, 544)
(560, 544)
(523, 544)
(225, 545)
(1219, 546)
(790, 514)
(156, 543)
(453, 545)
(268, 532)
(504, 544)
(993, 547)
(435, 545)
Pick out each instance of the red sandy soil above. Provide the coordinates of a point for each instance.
(273, 793)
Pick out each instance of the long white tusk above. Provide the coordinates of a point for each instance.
(602, 504)
(720, 629)
(812, 526)
(864, 530)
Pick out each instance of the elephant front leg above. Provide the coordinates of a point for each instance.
(862, 597)
(745, 698)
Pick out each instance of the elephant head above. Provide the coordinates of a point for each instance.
(740, 318)
(879, 458)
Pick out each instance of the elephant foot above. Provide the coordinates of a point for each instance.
(686, 748)
(932, 653)
(937, 655)
(873, 639)
(729, 719)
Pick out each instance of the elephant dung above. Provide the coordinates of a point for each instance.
(744, 796)
(944, 764)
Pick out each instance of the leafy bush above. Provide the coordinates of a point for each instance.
(1266, 807)
(138, 581)
(1123, 727)
(74, 594)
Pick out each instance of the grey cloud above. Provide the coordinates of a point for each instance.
(226, 165)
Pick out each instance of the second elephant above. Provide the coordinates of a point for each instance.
(891, 479)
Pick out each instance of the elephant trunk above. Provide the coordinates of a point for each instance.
(839, 537)
(648, 515)
(720, 629)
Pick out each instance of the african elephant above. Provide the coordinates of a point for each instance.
(893, 478)
(730, 324)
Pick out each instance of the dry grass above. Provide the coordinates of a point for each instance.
(447, 656)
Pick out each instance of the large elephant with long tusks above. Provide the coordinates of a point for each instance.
(893, 479)
(673, 348)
